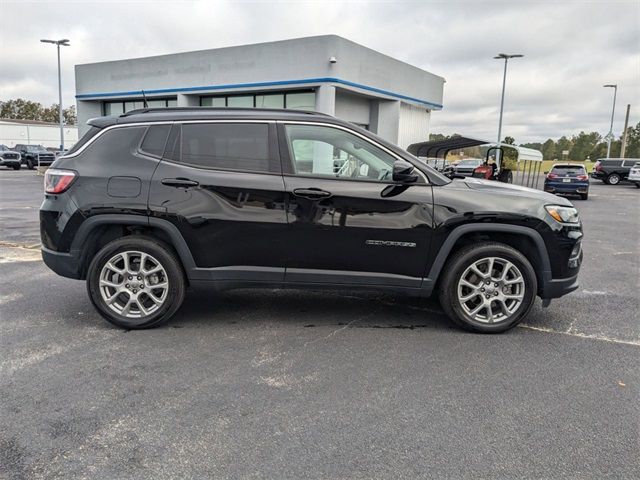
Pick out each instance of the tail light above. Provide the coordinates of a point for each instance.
(57, 180)
(597, 167)
(551, 176)
(582, 177)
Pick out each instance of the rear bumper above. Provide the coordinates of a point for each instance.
(64, 264)
(599, 175)
(566, 187)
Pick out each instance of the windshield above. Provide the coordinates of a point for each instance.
(3, 147)
(468, 163)
(36, 147)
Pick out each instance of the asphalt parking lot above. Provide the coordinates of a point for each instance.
(270, 384)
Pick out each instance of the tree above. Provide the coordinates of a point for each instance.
(562, 144)
(435, 137)
(549, 150)
(633, 142)
(509, 140)
(584, 145)
(20, 109)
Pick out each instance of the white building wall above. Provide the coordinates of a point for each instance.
(414, 125)
(46, 135)
(353, 108)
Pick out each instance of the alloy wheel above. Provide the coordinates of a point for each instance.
(133, 284)
(491, 290)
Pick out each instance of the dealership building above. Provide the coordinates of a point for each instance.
(327, 74)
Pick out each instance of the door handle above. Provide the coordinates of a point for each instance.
(179, 182)
(312, 193)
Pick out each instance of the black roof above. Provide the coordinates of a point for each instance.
(209, 113)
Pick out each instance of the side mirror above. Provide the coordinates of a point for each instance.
(403, 172)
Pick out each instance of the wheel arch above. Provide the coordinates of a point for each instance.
(98, 230)
(525, 239)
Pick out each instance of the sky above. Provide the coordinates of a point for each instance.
(571, 49)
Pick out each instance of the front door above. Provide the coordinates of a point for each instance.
(220, 184)
(350, 223)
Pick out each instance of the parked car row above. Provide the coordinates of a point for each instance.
(29, 155)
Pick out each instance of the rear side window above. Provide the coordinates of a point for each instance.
(89, 134)
(233, 146)
(611, 163)
(569, 170)
(155, 139)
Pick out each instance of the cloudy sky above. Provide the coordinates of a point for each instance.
(571, 49)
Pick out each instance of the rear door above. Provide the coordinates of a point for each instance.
(350, 223)
(220, 184)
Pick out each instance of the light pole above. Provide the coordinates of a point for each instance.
(506, 58)
(613, 111)
(65, 43)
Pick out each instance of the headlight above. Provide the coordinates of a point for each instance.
(563, 214)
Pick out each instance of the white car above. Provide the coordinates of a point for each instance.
(634, 174)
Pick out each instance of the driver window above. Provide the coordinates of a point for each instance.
(330, 152)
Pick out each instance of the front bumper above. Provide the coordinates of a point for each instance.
(9, 162)
(559, 287)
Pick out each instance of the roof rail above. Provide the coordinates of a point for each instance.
(140, 111)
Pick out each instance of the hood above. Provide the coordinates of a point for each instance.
(509, 189)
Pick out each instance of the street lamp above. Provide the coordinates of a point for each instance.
(65, 43)
(613, 111)
(506, 58)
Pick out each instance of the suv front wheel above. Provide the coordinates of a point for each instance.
(136, 282)
(488, 287)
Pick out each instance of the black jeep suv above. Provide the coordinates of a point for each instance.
(150, 202)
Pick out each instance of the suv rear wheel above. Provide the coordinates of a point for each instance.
(136, 282)
(489, 287)
(613, 179)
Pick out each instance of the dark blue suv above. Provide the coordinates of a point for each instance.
(567, 179)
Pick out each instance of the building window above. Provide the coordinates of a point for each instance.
(120, 107)
(296, 100)
(301, 101)
(244, 101)
(270, 101)
(213, 102)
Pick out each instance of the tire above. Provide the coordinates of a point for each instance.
(16, 167)
(30, 164)
(637, 184)
(584, 196)
(452, 291)
(145, 312)
(613, 179)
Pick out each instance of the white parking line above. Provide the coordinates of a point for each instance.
(635, 343)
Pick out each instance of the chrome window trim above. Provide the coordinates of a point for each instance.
(147, 124)
(353, 132)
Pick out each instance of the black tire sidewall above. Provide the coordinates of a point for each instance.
(160, 253)
(460, 263)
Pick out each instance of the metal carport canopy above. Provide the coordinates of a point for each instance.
(440, 148)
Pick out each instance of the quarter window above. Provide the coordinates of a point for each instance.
(155, 139)
(331, 152)
(228, 146)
